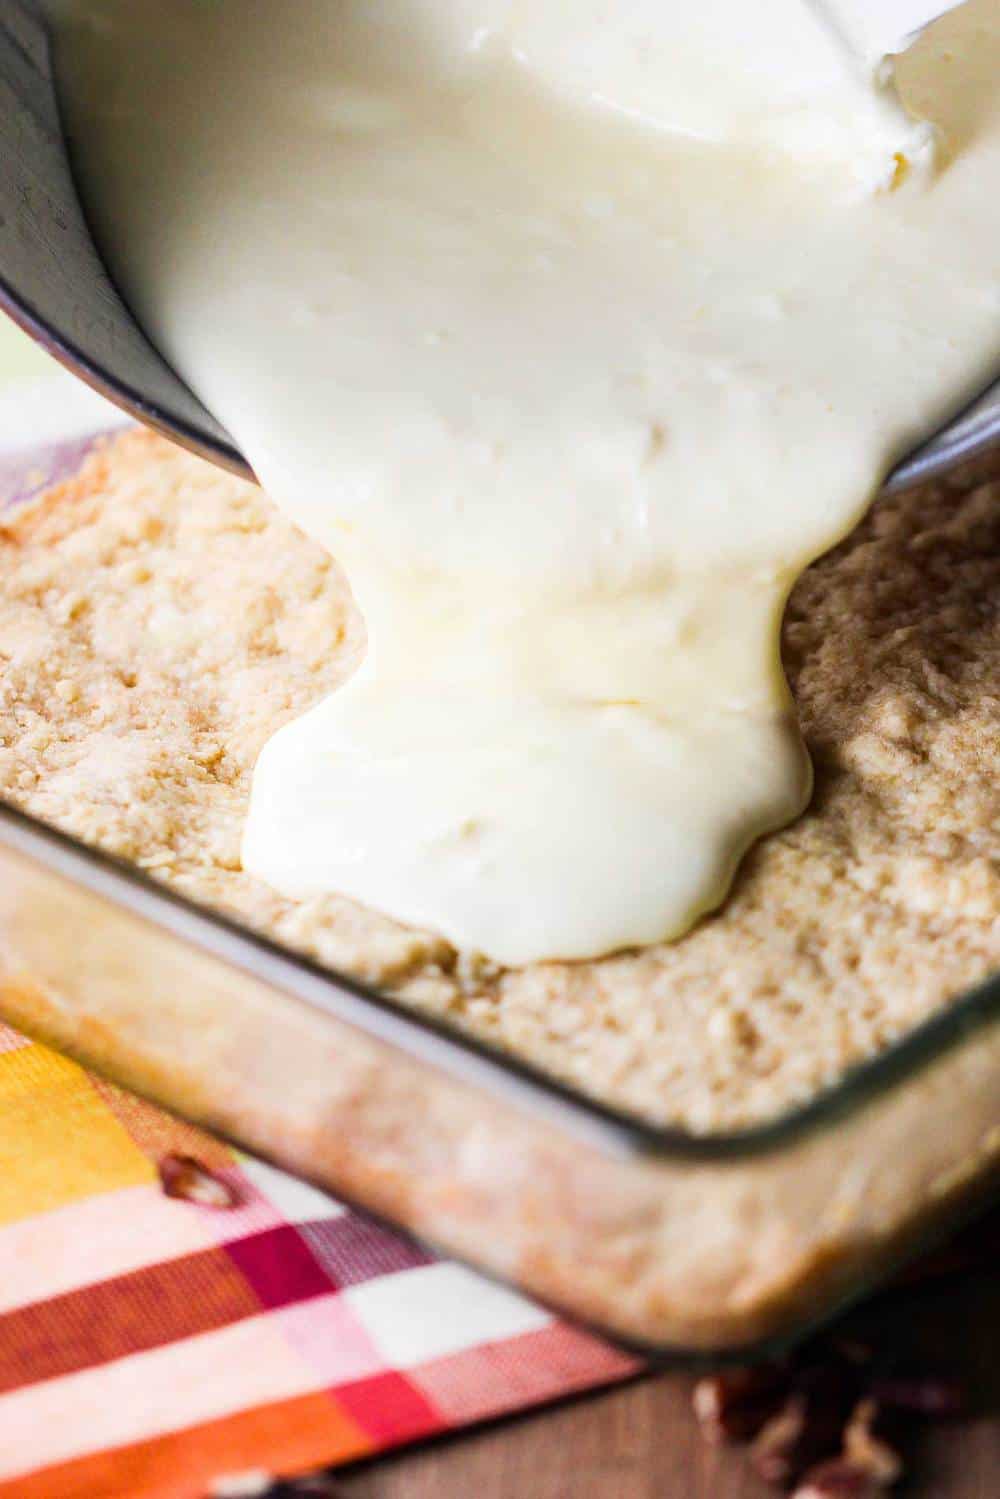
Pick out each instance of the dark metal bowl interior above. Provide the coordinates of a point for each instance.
(53, 283)
(52, 280)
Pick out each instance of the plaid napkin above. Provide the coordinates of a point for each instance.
(151, 1346)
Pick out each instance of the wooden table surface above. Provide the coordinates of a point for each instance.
(641, 1442)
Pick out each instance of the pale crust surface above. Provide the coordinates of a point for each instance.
(158, 620)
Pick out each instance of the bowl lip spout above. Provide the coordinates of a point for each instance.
(972, 433)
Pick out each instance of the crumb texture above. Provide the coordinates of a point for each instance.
(159, 619)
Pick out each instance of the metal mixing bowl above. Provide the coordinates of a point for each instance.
(53, 283)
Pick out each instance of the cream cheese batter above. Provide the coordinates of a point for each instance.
(574, 385)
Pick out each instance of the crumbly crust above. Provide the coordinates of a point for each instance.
(159, 619)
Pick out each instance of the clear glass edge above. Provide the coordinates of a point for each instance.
(471, 1059)
(973, 431)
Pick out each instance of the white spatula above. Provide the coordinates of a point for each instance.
(801, 77)
(877, 29)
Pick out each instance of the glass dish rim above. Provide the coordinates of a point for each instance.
(425, 1037)
(976, 429)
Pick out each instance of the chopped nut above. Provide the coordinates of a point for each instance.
(867, 1446)
(187, 1179)
(733, 1405)
(827, 1422)
(808, 1427)
(776, 1452)
(839, 1479)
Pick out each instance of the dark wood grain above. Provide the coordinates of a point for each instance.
(641, 1442)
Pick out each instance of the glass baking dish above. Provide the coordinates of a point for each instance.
(675, 1242)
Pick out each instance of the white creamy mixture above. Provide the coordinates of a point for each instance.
(574, 365)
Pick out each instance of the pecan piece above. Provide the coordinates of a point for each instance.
(808, 1427)
(868, 1445)
(734, 1404)
(184, 1177)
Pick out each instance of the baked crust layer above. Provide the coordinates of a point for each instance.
(159, 620)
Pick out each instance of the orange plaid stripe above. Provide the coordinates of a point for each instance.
(291, 1436)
